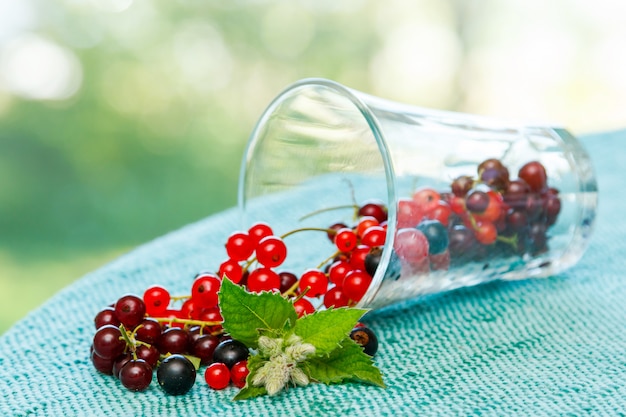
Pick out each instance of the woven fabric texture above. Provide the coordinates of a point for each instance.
(541, 347)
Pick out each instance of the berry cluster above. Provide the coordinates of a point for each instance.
(136, 335)
(489, 214)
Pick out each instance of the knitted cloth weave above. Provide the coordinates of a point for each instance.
(540, 347)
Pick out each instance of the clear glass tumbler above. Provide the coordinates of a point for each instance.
(492, 199)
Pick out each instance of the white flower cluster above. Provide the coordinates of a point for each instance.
(283, 356)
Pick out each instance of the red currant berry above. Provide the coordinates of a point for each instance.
(357, 257)
(173, 340)
(239, 246)
(426, 199)
(157, 299)
(303, 307)
(337, 272)
(355, 284)
(106, 316)
(287, 280)
(217, 376)
(335, 298)
(441, 213)
(231, 270)
(485, 232)
(104, 365)
(238, 373)
(409, 214)
(535, 175)
(332, 230)
(190, 309)
(130, 311)
(461, 185)
(364, 224)
(493, 210)
(411, 245)
(204, 290)
(271, 251)
(136, 375)
(108, 342)
(373, 208)
(263, 279)
(316, 282)
(150, 354)
(148, 331)
(203, 348)
(258, 231)
(374, 236)
(345, 240)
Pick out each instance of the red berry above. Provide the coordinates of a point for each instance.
(535, 175)
(332, 230)
(149, 330)
(409, 213)
(217, 376)
(204, 290)
(426, 199)
(373, 208)
(189, 309)
(355, 284)
(130, 311)
(485, 232)
(303, 307)
(374, 236)
(239, 246)
(136, 375)
(258, 231)
(335, 298)
(358, 255)
(345, 240)
(108, 342)
(231, 270)
(316, 282)
(337, 272)
(441, 213)
(271, 251)
(287, 280)
(263, 279)
(493, 210)
(157, 299)
(411, 245)
(364, 224)
(106, 316)
(238, 373)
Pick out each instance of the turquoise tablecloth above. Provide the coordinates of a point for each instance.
(554, 346)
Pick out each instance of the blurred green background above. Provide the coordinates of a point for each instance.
(121, 120)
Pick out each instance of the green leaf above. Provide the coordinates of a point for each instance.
(347, 362)
(250, 391)
(326, 328)
(244, 312)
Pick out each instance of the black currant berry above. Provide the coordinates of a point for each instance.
(176, 375)
(366, 338)
(436, 234)
(229, 352)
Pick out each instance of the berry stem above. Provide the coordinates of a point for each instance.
(179, 297)
(291, 290)
(187, 321)
(511, 240)
(325, 261)
(311, 229)
(325, 209)
(302, 294)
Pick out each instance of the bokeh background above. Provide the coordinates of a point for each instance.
(121, 120)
